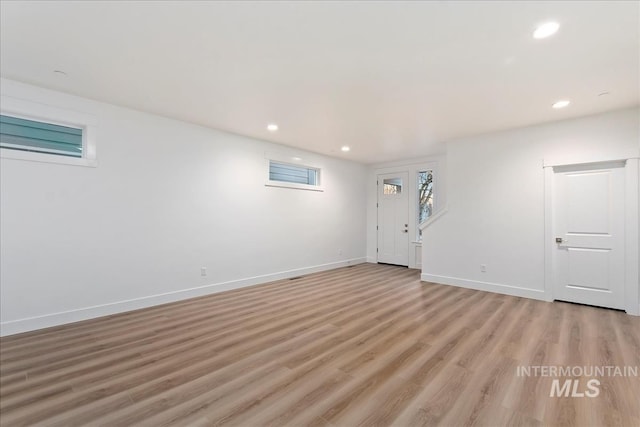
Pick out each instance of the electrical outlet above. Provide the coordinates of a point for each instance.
(203, 271)
(483, 268)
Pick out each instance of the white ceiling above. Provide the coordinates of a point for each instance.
(389, 79)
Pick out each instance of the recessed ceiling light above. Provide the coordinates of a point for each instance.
(272, 127)
(345, 148)
(297, 159)
(546, 30)
(561, 104)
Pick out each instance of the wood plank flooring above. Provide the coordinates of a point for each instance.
(368, 345)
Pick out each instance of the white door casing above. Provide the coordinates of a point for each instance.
(393, 218)
(588, 222)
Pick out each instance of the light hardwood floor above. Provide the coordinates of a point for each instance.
(369, 345)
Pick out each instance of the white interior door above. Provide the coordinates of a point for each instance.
(588, 224)
(393, 218)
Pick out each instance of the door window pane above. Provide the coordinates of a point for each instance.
(392, 186)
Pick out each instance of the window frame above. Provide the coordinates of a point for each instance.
(44, 113)
(417, 196)
(297, 162)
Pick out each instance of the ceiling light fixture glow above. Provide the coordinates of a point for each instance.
(345, 148)
(561, 104)
(272, 127)
(546, 30)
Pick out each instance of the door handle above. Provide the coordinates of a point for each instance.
(405, 231)
(560, 240)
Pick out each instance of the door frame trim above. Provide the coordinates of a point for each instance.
(631, 226)
(409, 216)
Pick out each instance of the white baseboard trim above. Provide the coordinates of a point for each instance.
(485, 286)
(55, 319)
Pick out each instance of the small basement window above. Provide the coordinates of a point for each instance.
(293, 176)
(38, 132)
(40, 137)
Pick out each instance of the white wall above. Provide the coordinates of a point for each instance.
(166, 199)
(496, 199)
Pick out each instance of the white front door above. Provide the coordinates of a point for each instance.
(588, 225)
(393, 218)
